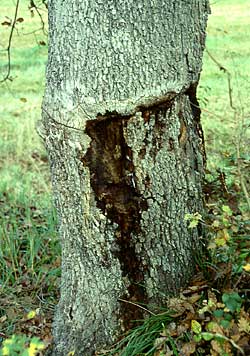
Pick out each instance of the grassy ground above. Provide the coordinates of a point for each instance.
(226, 125)
(29, 250)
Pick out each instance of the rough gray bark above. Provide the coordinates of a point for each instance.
(121, 126)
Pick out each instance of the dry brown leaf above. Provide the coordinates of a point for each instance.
(212, 297)
(182, 328)
(167, 352)
(3, 318)
(227, 348)
(12, 313)
(189, 348)
(190, 316)
(244, 325)
(222, 348)
(159, 342)
(194, 298)
(170, 330)
(235, 333)
(244, 343)
(216, 346)
(215, 328)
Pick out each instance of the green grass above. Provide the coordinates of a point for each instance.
(228, 42)
(29, 248)
(141, 339)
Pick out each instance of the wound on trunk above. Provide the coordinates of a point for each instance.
(113, 180)
(110, 161)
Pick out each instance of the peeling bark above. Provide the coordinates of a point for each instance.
(127, 156)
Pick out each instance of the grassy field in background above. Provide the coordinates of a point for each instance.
(228, 42)
(29, 249)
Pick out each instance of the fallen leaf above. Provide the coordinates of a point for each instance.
(244, 325)
(159, 342)
(196, 326)
(31, 315)
(189, 348)
(247, 267)
(3, 318)
(194, 298)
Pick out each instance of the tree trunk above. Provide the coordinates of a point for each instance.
(121, 126)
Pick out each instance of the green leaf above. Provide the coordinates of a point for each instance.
(236, 297)
(188, 217)
(225, 323)
(218, 313)
(232, 305)
(207, 336)
(225, 298)
(227, 210)
(232, 301)
(197, 338)
(228, 316)
(196, 326)
(244, 255)
(194, 219)
(193, 224)
(211, 326)
(31, 314)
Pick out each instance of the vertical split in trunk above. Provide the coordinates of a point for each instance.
(112, 178)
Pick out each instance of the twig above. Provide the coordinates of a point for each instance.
(7, 76)
(34, 6)
(207, 111)
(242, 180)
(231, 342)
(226, 71)
(137, 305)
(241, 177)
